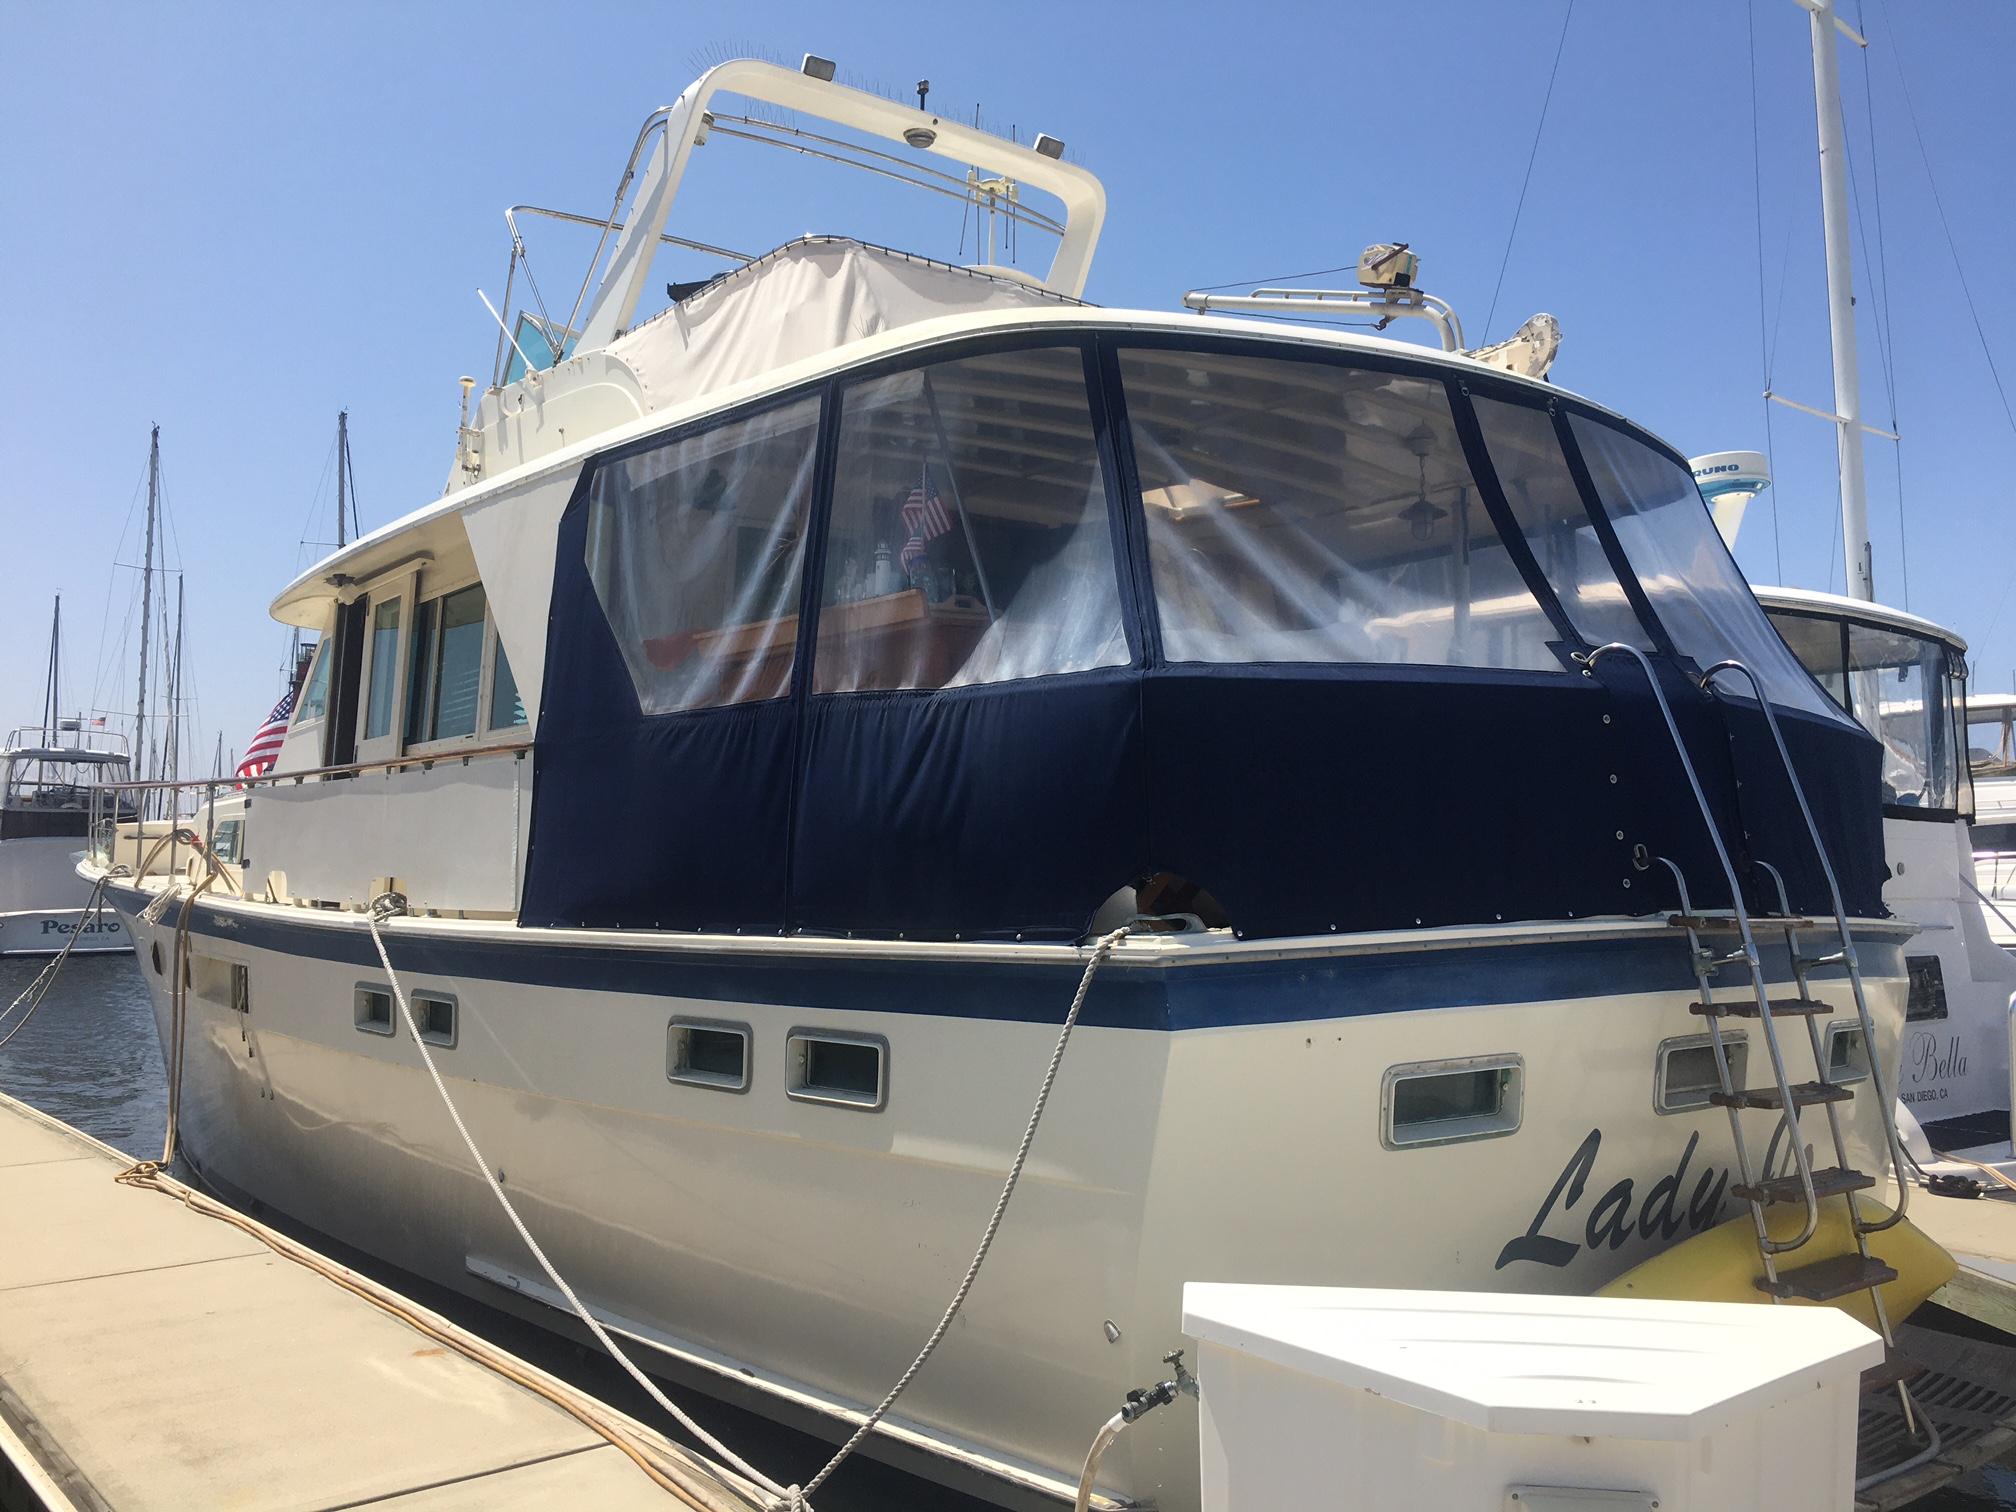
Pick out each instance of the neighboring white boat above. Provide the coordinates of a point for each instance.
(1905, 678)
(790, 686)
(45, 810)
(1991, 722)
(46, 775)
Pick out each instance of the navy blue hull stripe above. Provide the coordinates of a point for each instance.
(1292, 990)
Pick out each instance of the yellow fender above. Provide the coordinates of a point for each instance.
(1721, 1265)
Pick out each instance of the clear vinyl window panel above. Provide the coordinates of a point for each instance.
(1821, 646)
(1301, 511)
(970, 540)
(696, 548)
(1541, 493)
(1693, 584)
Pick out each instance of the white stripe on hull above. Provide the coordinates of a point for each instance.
(818, 1244)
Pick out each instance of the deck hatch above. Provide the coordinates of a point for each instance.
(1451, 1101)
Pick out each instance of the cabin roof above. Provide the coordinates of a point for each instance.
(301, 601)
(1838, 606)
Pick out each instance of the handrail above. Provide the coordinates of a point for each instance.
(389, 763)
(1884, 1097)
(1789, 1108)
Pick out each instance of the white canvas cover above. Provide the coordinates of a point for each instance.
(805, 298)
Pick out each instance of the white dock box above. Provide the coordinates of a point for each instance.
(1351, 1399)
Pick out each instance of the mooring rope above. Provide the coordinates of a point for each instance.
(785, 1498)
(38, 986)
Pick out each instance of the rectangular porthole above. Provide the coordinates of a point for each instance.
(434, 1013)
(1686, 1074)
(1847, 1054)
(241, 987)
(847, 1070)
(1451, 1101)
(704, 1053)
(374, 1010)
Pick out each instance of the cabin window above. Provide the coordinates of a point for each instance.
(1900, 687)
(1821, 646)
(705, 1053)
(434, 1014)
(695, 547)
(1452, 1101)
(1301, 511)
(848, 1070)
(455, 663)
(1544, 500)
(1686, 1074)
(314, 703)
(1698, 595)
(507, 709)
(224, 845)
(384, 668)
(1847, 1054)
(971, 540)
(372, 1007)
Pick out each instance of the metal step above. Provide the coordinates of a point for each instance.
(1895, 1367)
(1831, 1182)
(1824, 1280)
(1804, 1095)
(1747, 1008)
(1728, 924)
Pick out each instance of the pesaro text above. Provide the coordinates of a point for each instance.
(1666, 1210)
(90, 926)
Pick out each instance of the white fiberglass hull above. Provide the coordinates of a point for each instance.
(809, 1248)
(42, 901)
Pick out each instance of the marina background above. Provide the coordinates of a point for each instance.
(237, 222)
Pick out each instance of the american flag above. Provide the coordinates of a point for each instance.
(266, 744)
(925, 518)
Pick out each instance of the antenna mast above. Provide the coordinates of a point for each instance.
(343, 499)
(146, 604)
(1847, 415)
(52, 694)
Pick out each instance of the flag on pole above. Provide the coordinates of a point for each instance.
(265, 746)
(925, 518)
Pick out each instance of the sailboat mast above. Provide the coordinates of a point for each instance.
(171, 741)
(342, 467)
(1861, 576)
(146, 604)
(52, 695)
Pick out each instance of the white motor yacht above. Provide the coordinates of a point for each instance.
(742, 759)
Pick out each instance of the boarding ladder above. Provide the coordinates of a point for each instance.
(1840, 1275)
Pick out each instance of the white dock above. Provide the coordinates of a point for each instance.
(154, 1358)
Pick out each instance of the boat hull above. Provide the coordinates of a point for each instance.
(1217, 1117)
(43, 901)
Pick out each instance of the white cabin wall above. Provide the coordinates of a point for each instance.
(513, 536)
(451, 835)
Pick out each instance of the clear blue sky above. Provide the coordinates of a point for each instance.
(234, 220)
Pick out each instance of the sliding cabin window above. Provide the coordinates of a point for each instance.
(1696, 591)
(696, 548)
(381, 666)
(1304, 511)
(970, 539)
(460, 685)
(1543, 498)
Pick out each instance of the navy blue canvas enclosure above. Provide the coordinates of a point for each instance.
(961, 645)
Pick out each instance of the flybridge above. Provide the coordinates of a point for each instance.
(555, 378)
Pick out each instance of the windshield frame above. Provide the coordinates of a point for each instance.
(1954, 692)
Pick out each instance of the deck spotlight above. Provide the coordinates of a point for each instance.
(920, 137)
(1048, 145)
(816, 67)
